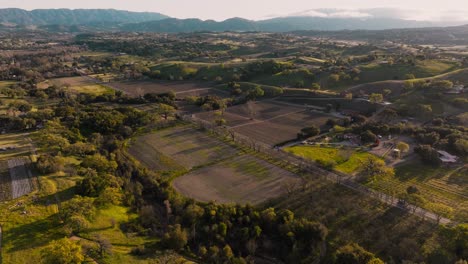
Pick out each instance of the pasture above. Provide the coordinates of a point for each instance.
(374, 72)
(343, 160)
(244, 179)
(81, 85)
(179, 148)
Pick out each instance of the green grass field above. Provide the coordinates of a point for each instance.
(374, 72)
(346, 161)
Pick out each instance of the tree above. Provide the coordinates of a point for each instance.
(176, 238)
(334, 78)
(376, 98)
(441, 210)
(255, 93)
(63, 251)
(104, 246)
(372, 168)
(165, 110)
(402, 146)
(310, 131)
(78, 206)
(76, 223)
(408, 85)
(409, 76)
(355, 254)
(428, 154)
(48, 164)
(315, 86)
(368, 137)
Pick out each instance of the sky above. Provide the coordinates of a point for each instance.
(439, 10)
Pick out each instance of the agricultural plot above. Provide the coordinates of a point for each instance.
(448, 186)
(179, 148)
(245, 179)
(5, 182)
(343, 160)
(282, 128)
(20, 177)
(138, 88)
(81, 85)
(269, 122)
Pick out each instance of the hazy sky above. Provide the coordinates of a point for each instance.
(259, 9)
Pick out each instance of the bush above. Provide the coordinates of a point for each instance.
(47, 164)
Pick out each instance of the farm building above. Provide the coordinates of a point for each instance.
(446, 157)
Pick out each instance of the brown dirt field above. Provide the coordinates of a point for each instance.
(264, 110)
(244, 179)
(73, 81)
(395, 86)
(274, 122)
(282, 129)
(178, 148)
(231, 119)
(137, 88)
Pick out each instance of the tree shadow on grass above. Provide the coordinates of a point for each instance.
(34, 234)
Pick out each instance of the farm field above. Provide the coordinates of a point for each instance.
(270, 122)
(5, 181)
(281, 129)
(81, 85)
(360, 218)
(15, 176)
(346, 161)
(179, 148)
(244, 179)
(445, 185)
(136, 88)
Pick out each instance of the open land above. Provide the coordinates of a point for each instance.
(244, 179)
(270, 122)
(224, 173)
(180, 88)
(179, 147)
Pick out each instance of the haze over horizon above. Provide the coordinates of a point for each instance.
(448, 10)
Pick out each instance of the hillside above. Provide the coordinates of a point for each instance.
(73, 17)
(435, 35)
(281, 24)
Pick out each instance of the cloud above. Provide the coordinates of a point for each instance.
(332, 13)
(395, 13)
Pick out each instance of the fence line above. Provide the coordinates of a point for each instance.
(313, 168)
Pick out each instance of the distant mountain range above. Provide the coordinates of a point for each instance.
(84, 20)
(283, 24)
(69, 17)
